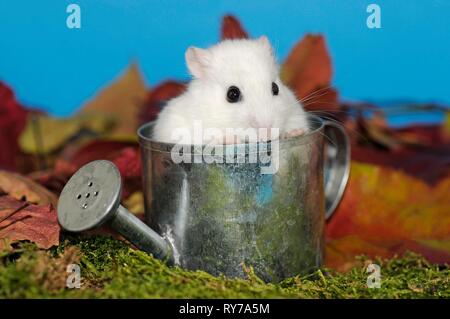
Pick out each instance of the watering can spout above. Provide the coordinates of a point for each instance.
(141, 235)
(91, 198)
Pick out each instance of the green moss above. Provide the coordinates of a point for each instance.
(111, 269)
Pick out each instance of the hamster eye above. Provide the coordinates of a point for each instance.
(275, 88)
(233, 94)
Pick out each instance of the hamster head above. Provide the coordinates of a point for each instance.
(238, 81)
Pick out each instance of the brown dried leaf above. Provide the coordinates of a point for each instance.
(121, 99)
(25, 189)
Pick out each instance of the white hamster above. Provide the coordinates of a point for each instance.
(236, 85)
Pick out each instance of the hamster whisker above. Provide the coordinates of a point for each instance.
(312, 98)
(330, 112)
(317, 91)
(330, 119)
(320, 102)
(329, 140)
(353, 131)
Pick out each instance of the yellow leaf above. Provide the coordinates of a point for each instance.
(44, 134)
(135, 203)
(121, 99)
(447, 123)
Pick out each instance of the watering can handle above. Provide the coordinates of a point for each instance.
(337, 165)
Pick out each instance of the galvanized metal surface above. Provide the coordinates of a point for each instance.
(90, 198)
(221, 216)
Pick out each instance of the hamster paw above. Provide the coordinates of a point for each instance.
(294, 133)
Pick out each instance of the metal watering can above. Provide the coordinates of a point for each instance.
(220, 212)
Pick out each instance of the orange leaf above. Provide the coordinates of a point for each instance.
(308, 71)
(387, 212)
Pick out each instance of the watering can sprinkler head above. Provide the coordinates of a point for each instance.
(91, 198)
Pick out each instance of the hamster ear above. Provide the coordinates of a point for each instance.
(197, 61)
(264, 41)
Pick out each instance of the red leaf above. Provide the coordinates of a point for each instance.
(54, 182)
(232, 29)
(78, 155)
(129, 163)
(13, 118)
(428, 165)
(23, 221)
(422, 151)
(125, 155)
(157, 98)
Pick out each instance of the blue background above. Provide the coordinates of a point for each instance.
(52, 67)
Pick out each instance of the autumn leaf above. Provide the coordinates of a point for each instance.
(52, 179)
(446, 125)
(308, 65)
(24, 221)
(13, 118)
(158, 97)
(128, 162)
(308, 71)
(80, 155)
(377, 131)
(45, 134)
(421, 150)
(135, 203)
(25, 189)
(429, 166)
(122, 100)
(386, 212)
(232, 28)
(398, 200)
(125, 155)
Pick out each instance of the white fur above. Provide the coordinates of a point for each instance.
(247, 64)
